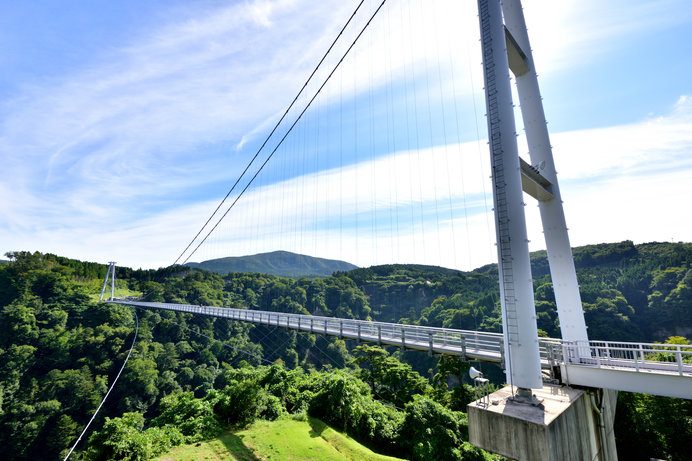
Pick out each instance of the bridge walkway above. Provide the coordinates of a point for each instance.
(657, 369)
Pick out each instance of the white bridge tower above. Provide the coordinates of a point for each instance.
(536, 422)
(109, 274)
(505, 47)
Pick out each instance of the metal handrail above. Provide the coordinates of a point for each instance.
(650, 357)
(480, 345)
(467, 343)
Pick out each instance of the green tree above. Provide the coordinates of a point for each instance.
(124, 438)
(431, 431)
(388, 378)
(194, 418)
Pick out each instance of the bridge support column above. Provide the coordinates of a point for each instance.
(109, 274)
(522, 356)
(561, 263)
(562, 423)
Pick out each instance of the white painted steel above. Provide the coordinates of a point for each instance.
(562, 271)
(516, 286)
(624, 379)
(113, 283)
(109, 273)
(649, 368)
(667, 359)
(630, 360)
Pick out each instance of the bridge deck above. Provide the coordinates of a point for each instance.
(637, 367)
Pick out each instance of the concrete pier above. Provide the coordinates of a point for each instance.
(560, 423)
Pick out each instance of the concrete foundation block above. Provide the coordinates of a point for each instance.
(561, 423)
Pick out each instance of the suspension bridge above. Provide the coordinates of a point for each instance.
(529, 361)
(656, 369)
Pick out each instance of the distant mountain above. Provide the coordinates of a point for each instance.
(281, 263)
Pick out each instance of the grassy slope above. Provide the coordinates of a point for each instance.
(282, 439)
(119, 293)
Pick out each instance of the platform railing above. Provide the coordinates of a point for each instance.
(645, 357)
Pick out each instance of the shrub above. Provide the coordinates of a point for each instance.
(431, 431)
(243, 402)
(123, 438)
(193, 417)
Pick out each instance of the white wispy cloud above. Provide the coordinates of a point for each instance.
(628, 181)
(121, 153)
(609, 175)
(652, 146)
(150, 118)
(569, 34)
(408, 196)
(109, 141)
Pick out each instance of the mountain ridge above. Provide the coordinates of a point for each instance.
(280, 263)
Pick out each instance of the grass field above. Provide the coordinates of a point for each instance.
(284, 439)
(119, 293)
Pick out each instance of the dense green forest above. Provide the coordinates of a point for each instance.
(191, 376)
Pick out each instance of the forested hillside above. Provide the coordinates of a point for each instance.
(189, 376)
(630, 293)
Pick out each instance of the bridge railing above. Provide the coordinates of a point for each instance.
(464, 343)
(471, 345)
(433, 339)
(663, 358)
(551, 351)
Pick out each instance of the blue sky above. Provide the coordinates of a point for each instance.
(122, 124)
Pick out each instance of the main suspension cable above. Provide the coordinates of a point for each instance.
(287, 132)
(269, 136)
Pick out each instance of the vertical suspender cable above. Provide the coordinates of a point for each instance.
(270, 134)
(290, 129)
